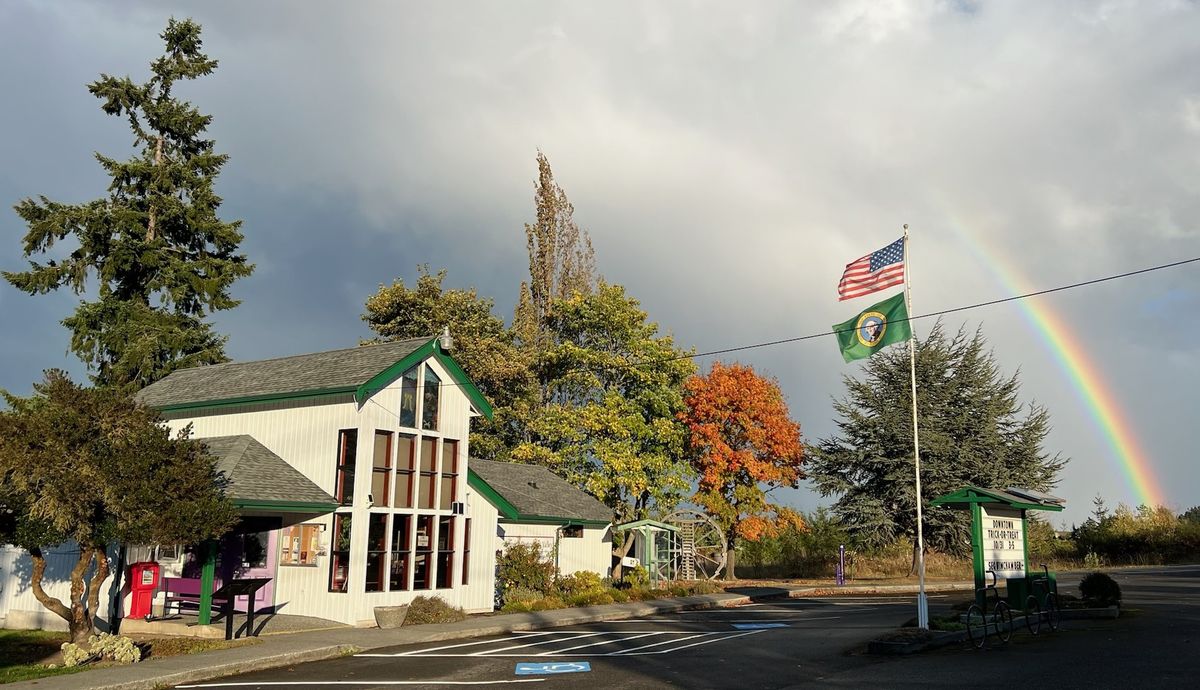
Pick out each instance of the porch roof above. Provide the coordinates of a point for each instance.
(257, 479)
(531, 493)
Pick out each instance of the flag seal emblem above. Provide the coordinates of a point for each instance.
(870, 328)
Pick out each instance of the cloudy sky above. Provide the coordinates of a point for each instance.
(727, 161)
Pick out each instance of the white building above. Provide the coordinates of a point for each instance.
(350, 470)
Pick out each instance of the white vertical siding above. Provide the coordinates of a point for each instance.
(481, 587)
(18, 606)
(305, 434)
(591, 552)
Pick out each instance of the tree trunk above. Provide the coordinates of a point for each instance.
(93, 599)
(35, 583)
(621, 553)
(77, 618)
(730, 559)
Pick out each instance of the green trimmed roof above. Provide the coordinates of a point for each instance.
(256, 478)
(360, 371)
(531, 493)
(646, 523)
(1022, 499)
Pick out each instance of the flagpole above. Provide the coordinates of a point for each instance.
(922, 602)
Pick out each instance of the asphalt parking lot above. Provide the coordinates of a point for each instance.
(794, 643)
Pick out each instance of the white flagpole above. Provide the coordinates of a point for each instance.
(922, 602)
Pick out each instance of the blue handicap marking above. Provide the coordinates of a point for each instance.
(758, 626)
(531, 669)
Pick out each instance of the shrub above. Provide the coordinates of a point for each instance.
(424, 610)
(519, 595)
(592, 598)
(547, 604)
(1100, 588)
(525, 566)
(577, 583)
(619, 596)
(637, 577)
(517, 607)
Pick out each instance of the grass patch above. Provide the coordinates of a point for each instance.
(24, 654)
(27, 654)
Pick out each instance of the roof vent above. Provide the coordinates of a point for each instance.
(532, 484)
(447, 342)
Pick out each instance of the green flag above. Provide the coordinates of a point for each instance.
(875, 328)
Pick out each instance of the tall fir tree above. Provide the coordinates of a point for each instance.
(972, 431)
(161, 255)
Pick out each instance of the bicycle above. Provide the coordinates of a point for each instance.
(978, 617)
(1035, 611)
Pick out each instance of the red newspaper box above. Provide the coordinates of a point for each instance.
(143, 580)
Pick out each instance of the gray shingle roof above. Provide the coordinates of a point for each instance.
(254, 473)
(537, 492)
(335, 370)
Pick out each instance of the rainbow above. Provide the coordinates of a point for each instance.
(1085, 377)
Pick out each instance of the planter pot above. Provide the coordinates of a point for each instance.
(390, 616)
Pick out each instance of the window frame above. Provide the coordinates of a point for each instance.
(335, 553)
(347, 459)
(386, 470)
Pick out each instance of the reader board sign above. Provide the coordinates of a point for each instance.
(1003, 542)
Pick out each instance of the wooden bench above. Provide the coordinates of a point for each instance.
(184, 590)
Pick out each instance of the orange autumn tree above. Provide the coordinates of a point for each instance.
(743, 444)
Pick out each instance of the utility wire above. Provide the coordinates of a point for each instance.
(824, 334)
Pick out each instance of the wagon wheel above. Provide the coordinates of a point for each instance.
(703, 551)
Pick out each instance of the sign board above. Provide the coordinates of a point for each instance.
(630, 562)
(1003, 542)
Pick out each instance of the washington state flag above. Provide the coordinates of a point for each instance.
(876, 327)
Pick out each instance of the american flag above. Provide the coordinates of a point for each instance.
(873, 272)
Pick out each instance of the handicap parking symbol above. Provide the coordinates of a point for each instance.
(532, 669)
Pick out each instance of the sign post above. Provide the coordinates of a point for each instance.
(998, 530)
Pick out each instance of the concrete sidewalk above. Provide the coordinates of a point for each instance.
(285, 650)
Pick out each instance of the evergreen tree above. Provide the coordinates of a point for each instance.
(162, 257)
(972, 431)
(93, 467)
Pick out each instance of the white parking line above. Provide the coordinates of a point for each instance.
(604, 642)
(449, 646)
(491, 652)
(659, 644)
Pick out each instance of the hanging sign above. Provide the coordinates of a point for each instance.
(1003, 542)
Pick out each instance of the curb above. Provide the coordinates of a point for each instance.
(157, 673)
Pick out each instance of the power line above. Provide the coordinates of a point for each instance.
(825, 334)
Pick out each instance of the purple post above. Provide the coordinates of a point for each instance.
(841, 566)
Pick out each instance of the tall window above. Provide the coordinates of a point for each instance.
(428, 478)
(347, 448)
(406, 457)
(376, 552)
(300, 545)
(449, 473)
(408, 399)
(429, 402)
(424, 552)
(466, 550)
(339, 561)
(445, 555)
(381, 468)
(401, 552)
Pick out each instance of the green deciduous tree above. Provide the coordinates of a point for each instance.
(609, 427)
(162, 257)
(91, 466)
(482, 346)
(973, 430)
